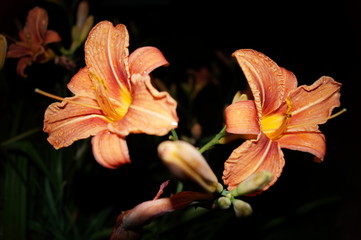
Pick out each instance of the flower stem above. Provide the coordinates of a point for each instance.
(19, 137)
(174, 135)
(213, 141)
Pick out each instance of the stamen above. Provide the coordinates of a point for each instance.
(103, 99)
(37, 90)
(317, 122)
(338, 113)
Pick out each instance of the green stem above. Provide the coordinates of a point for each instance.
(174, 135)
(213, 141)
(20, 136)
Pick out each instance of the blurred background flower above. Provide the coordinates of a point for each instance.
(34, 39)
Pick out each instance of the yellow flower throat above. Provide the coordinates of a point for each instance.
(274, 125)
(113, 109)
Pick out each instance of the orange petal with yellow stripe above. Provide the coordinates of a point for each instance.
(151, 112)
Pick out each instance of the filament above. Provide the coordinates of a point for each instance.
(338, 113)
(37, 90)
(330, 117)
(309, 123)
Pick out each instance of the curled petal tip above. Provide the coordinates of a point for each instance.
(145, 59)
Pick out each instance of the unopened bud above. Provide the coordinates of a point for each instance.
(82, 13)
(187, 163)
(239, 96)
(253, 184)
(219, 188)
(84, 23)
(241, 208)
(224, 202)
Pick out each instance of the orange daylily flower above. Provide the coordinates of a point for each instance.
(281, 115)
(33, 40)
(113, 98)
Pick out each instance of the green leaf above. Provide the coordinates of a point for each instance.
(15, 199)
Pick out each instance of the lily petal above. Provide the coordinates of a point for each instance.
(110, 150)
(144, 60)
(241, 118)
(51, 37)
(22, 64)
(36, 25)
(267, 80)
(251, 157)
(66, 122)
(81, 84)
(151, 112)
(106, 56)
(17, 50)
(312, 142)
(313, 105)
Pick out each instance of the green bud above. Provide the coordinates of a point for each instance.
(84, 23)
(224, 202)
(253, 184)
(241, 208)
(239, 96)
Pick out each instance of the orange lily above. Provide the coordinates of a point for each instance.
(113, 98)
(33, 40)
(281, 115)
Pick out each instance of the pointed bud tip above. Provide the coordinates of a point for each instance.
(239, 96)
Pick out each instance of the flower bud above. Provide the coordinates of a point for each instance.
(82, 13)
(84, 22)
(3, 49)
(241, 208)
(253, 184)
(187, 163)
(239, 96)
(224, 202)
(219, 188)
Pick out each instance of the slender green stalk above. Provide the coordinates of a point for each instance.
(174, 135)
(20, 136)
(14, 215)
(213, 141)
